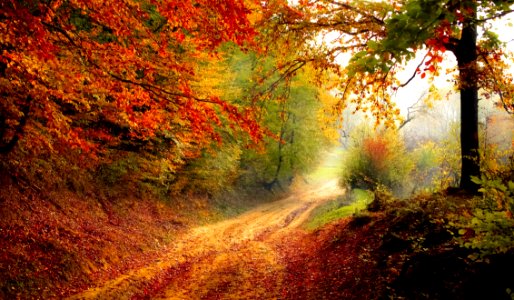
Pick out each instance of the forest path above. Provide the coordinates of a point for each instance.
(233, 259)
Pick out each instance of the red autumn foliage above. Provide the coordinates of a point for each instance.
(90, 74)
(377, 152)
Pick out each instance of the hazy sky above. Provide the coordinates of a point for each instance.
(406, 96)
(409, 94)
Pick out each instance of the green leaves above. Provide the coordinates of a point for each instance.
(491, 40)
(492, 233)
(412, 26)
(379, 158)
(491, 224)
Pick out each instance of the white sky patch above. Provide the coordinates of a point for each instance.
(409, 94)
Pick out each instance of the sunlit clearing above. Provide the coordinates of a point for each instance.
(329, 167)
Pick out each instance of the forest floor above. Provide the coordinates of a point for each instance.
(309, 244)
(403, 250)
(239, 258)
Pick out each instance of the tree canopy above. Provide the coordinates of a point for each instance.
(101, 75)
(381, 37)
(88, 75)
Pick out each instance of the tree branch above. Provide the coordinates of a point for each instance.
(412, 109)
(494, 17)
(498, 90)
(354, 9)
(415, 71)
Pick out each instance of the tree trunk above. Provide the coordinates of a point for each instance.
(466, 54)
(280, 156)
(7, 146)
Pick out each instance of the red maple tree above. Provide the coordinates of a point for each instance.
(88, 74)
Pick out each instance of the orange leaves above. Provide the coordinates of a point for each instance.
(377, 150)
(208, 23)
(494, 76)
(244, 119)
(435, 57)
(431, 65)
(437, 45)
(121, 65)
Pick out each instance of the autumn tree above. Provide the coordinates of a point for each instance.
(91, 75)
(382, 37)
(290, 106)
(377, 157)
(299, 127)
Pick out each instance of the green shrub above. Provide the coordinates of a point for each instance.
(490, 228)
(377, 159)
(139, 174)
(437, 167)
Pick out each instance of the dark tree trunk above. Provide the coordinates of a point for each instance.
(280, 161)
(280, 156)
(466, 54)
(292, 156)
(7, 146)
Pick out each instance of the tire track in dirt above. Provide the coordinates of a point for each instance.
(233, 259)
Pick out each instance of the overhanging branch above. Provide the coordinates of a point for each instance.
(415, 71)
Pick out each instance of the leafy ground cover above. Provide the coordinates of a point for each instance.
(403, 251)
(54, 244)
(57, 243)
(233, 259)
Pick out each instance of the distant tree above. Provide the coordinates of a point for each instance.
(295, 111)
(377, 157)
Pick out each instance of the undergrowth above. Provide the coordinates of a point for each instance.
(398, 249)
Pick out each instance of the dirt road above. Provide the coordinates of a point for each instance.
(234, 259)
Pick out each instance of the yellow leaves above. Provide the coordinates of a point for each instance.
(214, 75)
(328, 114)
(255, 16)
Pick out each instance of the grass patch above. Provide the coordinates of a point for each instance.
(344, 206)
